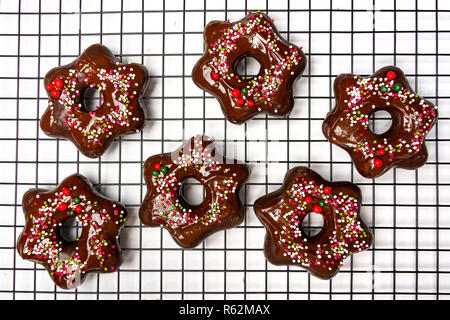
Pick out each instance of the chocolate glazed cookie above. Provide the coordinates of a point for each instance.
(305, 192)
(347, 125)
(121, 111)
(270, 91)
(42, 240)
(165, 206)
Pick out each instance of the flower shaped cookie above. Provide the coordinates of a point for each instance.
(121, 111)
(347, 125)
(95, 250)
(241, 98)
(305, 192)
(165, 206)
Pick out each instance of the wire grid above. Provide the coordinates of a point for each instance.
(405, 209)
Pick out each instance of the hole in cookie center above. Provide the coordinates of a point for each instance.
(312, 224)
(93, 100)
(192, 192)
(70, 230)
(247, 67)
(380, 122)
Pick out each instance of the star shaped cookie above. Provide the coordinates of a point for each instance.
(165, 206)
(305, 192)
(121, 110)
(241, 98)
(95, 250)
(357, 98)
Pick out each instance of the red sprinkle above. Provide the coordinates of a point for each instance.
(381, 152)
(66, 191)
(317, 209)
(157, 166)
(55, 93)
(78, 209)
(251, 103)
(215, 76)
(327, 190)
(377, 163)
(62, 206)
(240, 101)
(58, 83)
(236, 93)
(391, 75)
(308, 199)
(49, 86)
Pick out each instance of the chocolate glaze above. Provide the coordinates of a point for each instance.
(96, 249)
(221, 178)
(282, 212)
(277, 57)
(121, 112)
(403, 145)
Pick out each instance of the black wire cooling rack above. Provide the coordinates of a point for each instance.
(405, 209)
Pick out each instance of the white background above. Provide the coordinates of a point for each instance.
(407, 210)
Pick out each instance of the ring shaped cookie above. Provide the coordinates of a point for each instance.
(121, 111)
(95, 250)
(270, 91)
(305, 192)
(347, 125)
(165, 206)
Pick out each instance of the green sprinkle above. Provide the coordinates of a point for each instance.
(397, 87)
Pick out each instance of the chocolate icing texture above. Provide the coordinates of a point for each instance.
(95, 250)
(270, 91)
(347, 125)
(121, 111)
(165, 206)
(305, 192)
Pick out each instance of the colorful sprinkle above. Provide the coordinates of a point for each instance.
(66, 192)
(327, 190)
(164, 169)
(55, 93)
(397, 87)
(317, 209)
(215, 76)
(391, 75)
(377, 163)
(58, 83)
